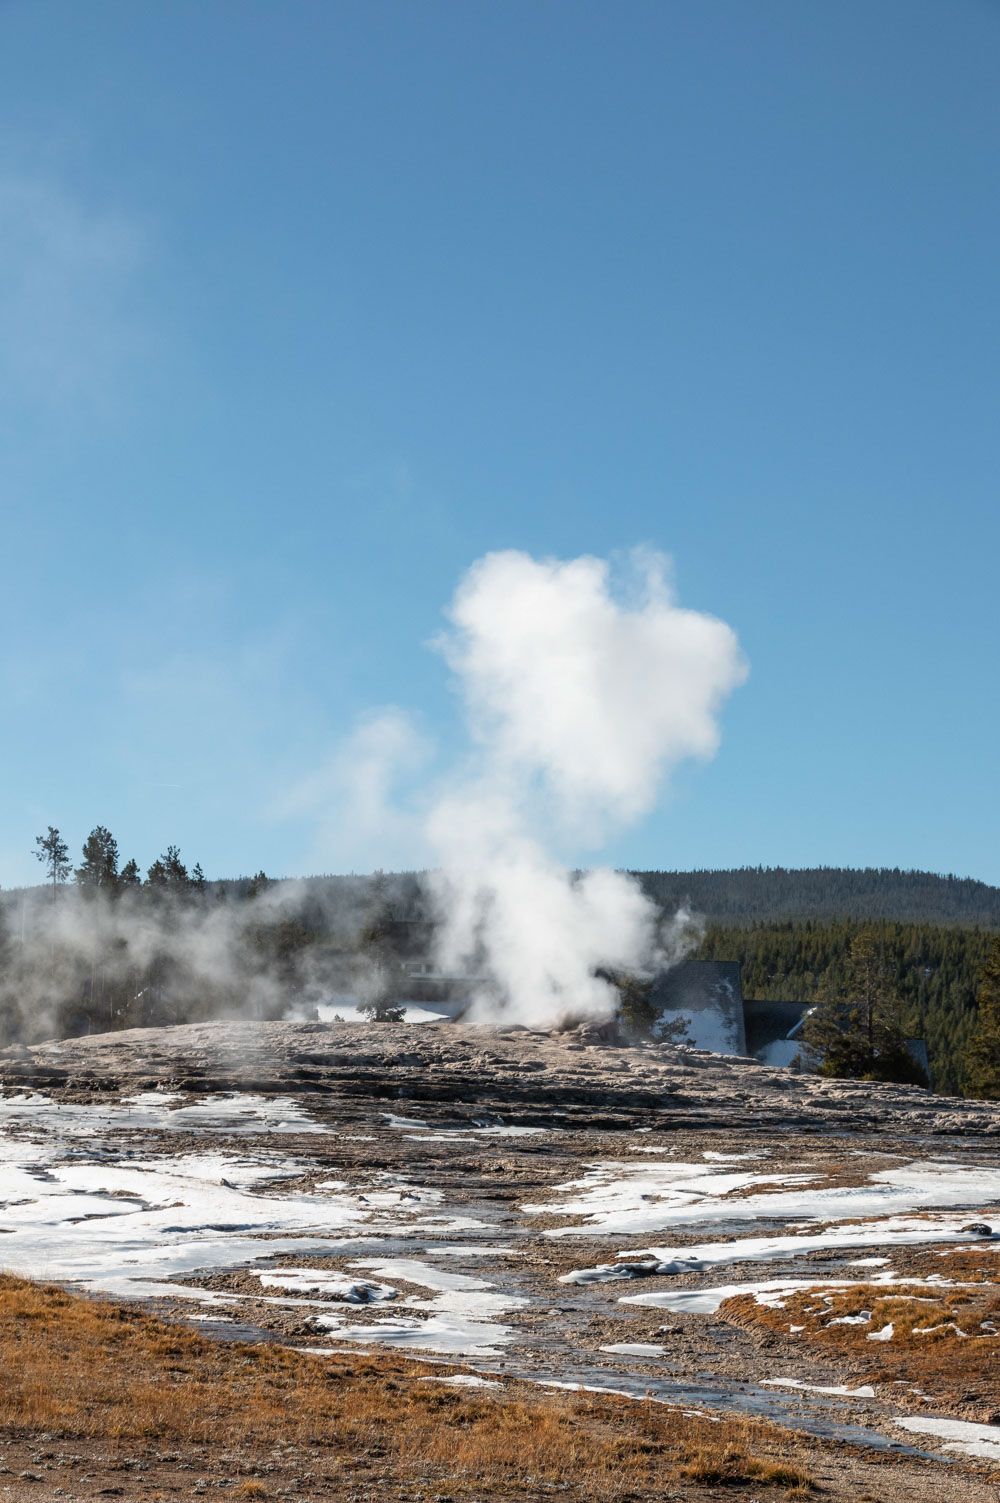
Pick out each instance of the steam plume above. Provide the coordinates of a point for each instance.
(580, 701)
(581, 691)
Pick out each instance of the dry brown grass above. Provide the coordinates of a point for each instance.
(944, 1340)
(82, 1368)
(727, 1462)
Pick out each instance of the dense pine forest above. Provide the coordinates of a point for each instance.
(753, 894)
(792, 932)
(933, 968)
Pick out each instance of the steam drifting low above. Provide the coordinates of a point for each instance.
(582, 686)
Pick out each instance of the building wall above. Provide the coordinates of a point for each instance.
(708, 996)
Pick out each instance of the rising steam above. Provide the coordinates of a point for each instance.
(580, 700)
(581, 690)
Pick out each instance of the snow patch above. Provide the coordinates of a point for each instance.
(962, 1435)
(633, 1349)
(318, 1281)
(461, 1318)
(839, 1389)
(616, 1196)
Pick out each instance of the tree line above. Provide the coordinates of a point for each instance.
(100, 947)
(99, 872)
(107, 947)
(751, 894)
(931, 972)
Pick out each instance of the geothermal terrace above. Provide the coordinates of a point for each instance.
(664, 1223)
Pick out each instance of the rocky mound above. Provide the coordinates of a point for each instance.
(581, 1077)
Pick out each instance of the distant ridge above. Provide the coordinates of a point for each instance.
(733, 897)
(771, 894)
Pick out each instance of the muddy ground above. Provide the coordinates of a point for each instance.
(472, 1170)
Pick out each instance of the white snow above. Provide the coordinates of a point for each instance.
(319, 1281)
(625, 1197)
(460, 1318)
(621, 1196)
(731, 1158)
(962, 1435)
(773, 1292)
(633, 1349)
(439, 1137)
(886, 1232)
(864, 1392)
(232, 1113)
(77, 1207)
(605, 1273)
(468, 1380)
(474, 1250)
(706, 1301)
(470, 1134)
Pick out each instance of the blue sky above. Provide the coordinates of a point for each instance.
(305, 307)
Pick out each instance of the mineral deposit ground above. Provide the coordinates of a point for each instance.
(446, 1261)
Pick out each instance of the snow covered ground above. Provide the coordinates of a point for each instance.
(622, 1197)
(412, 1202)
(81, 1206)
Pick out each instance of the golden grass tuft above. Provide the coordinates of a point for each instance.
(728, 1463)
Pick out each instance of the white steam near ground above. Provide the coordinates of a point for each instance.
(579, 704)
(581, 690)
(580, 699)
(82, 962)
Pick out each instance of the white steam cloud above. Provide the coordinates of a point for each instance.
(582, 690)
(580, 700)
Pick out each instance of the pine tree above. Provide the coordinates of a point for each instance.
(856, 1030)
(169, 870)
(99, 869)
(177, 872)
(982, 1058)
(53, 852)
(129, 875)
(381, 967)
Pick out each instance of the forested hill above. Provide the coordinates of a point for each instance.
(932, 968)
(755, 894)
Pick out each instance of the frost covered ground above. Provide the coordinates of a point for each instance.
(489, 1198)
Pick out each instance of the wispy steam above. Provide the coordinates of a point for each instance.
(581, 691)
(81, 961)
(580, 701)
(68, 326)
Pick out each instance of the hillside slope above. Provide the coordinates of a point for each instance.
(753, 894)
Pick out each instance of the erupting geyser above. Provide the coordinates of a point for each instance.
(581, 692)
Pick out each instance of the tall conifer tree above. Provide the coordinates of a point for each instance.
(53, 852)
(98, 871)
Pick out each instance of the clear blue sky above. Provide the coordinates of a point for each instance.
(305, 306)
